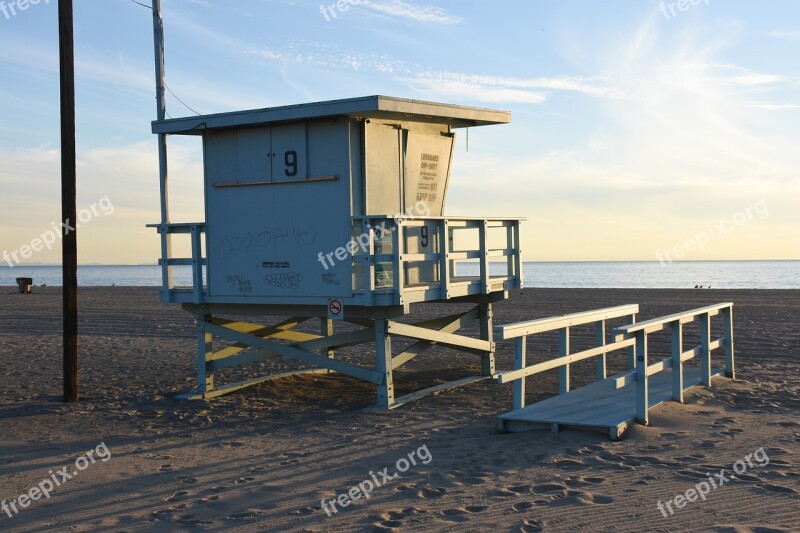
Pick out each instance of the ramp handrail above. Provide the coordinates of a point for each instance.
(638, 332)
(520, 330)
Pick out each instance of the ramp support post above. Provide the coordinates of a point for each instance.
(487, 360)
(642, 406)
(727, 333)
(677, 361)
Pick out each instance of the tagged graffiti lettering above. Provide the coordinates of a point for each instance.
(236, 281)
(305, 236)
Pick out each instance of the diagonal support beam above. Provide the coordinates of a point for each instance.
(459, 342)
(297, 354)
(281, 330)
(447, 324)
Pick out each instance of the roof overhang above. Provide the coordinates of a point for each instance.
(378, 107)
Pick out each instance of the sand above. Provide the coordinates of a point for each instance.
(263, 458)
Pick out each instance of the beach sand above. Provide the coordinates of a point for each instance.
(263, 458)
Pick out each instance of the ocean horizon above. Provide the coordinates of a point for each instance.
(741, 274)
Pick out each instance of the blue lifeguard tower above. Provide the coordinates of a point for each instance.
(334, 211)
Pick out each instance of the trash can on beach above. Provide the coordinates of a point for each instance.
(25, 285)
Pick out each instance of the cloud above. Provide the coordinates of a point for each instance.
(785, 35)
(415, 12)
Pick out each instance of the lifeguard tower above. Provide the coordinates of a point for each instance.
(334, 211)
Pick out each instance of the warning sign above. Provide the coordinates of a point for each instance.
(335, 309)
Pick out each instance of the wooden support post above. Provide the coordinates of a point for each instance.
(519, 363)
(326, 328)
(632, 350)
(600, 335)
(383, 363)
(69, 246)
(487, 360)
(563, 371)
(727, 327)
(642, 406)
(705, 352)
(205, 377)
(677, 361)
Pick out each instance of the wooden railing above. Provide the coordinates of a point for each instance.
(634, 337)
(196, 261)
(520, 330)
(435, 250)
(640, 332)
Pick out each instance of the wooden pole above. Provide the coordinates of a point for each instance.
(69, 250)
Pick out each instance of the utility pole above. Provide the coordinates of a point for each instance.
(161, 109)
(69, 246)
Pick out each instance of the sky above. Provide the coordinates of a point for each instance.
(641, 130)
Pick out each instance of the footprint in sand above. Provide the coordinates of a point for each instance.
(165, 468)
(776, 488)
(181, 494)
(531, 526)
(242, 480)
(573, 497)
(545, 488)
(521, 507)
(455, 515)
(520, 489)
(476, 508)
(187, 480)
(431, 492)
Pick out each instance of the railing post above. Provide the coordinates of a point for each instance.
(369, 262)
(677, 361)
(486, 319)
(642, 388)
(563, 371)
(520, 344)
(398, 269)
(705, 352)
(484, 251)
(518, 266)
(727, 327)
(600, 335)
(632, 350)
(197, 264)
(444, 259)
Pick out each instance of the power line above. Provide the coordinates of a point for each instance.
(181, 101)
(141, 4)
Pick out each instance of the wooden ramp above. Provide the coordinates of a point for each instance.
(608, 406)
(611, 403)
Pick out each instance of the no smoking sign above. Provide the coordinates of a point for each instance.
(335, 309)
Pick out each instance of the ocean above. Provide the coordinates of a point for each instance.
(623, 274)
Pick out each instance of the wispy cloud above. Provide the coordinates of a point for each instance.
(785, 35)
(416, 12)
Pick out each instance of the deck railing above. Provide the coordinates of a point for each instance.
(403, 260)
(421, 254)
(196, 261)
(520, 330)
